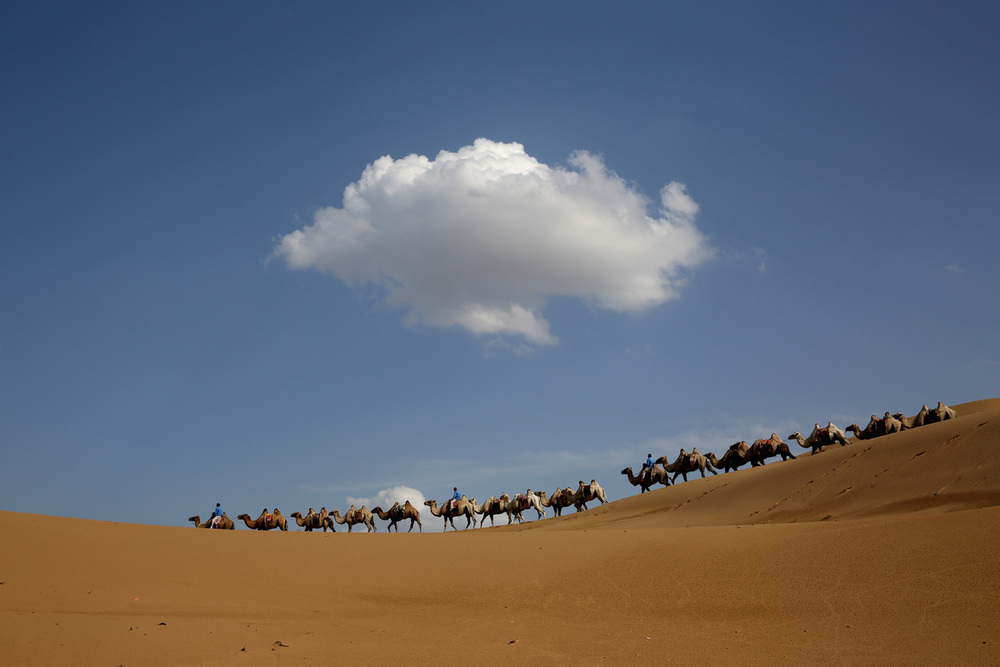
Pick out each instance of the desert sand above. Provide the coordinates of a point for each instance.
(885, 551)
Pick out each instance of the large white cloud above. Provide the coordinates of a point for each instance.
(479, 238)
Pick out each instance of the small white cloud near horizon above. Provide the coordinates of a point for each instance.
(481, 237)
(955, 268)
(386, 497)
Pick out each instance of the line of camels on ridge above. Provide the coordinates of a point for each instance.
(738, 454)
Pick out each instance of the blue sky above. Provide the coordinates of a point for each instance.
(313, 255)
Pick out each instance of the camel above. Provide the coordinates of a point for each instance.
(586, 493)
(559, 500)
(398, 513)
(942, 413)
(878, 427)
(492, 507)
(891, 425)
(734, 457)
(766, 448)
(224, 523)
(450, 511)
(686, 463)
(524, 501)
(313, 520)
(874, 429)
(916, 420)
(820, 437)
(656, 475)
(266, 520)
(354, 516)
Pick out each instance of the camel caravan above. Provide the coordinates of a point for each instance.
(661, 472)
(475, 514)
(895, 423)
(514, 507)
(740, 453)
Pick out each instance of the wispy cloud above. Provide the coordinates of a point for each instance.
(761, 256)
(481, 237)
(955, 268)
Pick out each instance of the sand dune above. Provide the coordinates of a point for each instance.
(883, 551)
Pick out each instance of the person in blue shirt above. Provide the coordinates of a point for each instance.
(455, 497)
(647, 468)
(216, 515)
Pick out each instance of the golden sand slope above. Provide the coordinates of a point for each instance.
(884, 551)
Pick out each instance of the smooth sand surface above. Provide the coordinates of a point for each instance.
(885, 551)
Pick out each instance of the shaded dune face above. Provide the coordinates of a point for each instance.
(893, 537)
